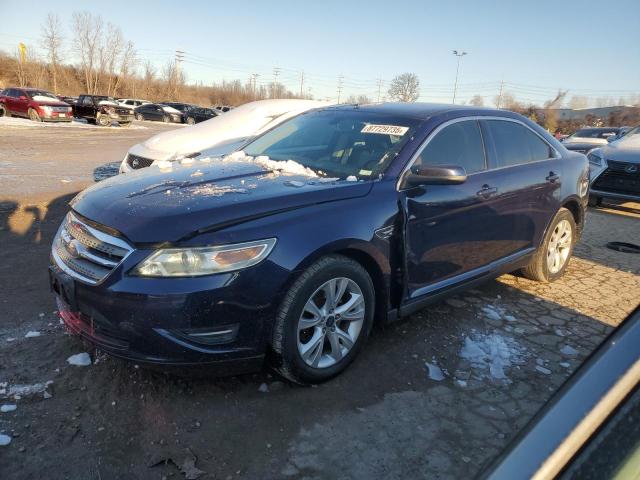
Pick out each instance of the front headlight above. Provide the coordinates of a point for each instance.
(197, 261)
(594, 159)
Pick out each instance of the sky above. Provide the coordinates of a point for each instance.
(532, 49)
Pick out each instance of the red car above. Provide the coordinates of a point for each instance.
(38, 105)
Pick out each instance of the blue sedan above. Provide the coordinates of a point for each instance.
(290, 250)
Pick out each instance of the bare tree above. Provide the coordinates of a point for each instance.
(550, 111)
(87, 39)
(578, 101)
(52, 44)
(405, 88)
(109, 50)
(477, 100)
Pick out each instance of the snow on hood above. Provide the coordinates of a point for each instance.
(589, 140)
(45, 98)
(109, 103)
(286, 167)
(242, 122)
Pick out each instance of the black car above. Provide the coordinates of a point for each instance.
(158, 112)
(290, 250)
(183, 107)
(101, 110)
(198, 114)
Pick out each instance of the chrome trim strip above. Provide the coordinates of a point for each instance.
(476, 118)
(103, 237)
(62, 266)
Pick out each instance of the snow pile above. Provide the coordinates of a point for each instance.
(282, 166)
(74, 123)
(491, 354)
(80, 359)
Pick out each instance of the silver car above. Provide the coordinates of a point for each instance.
(615, 169)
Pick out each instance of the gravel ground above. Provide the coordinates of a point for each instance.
(436, 395)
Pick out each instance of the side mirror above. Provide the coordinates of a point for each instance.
(435, 175)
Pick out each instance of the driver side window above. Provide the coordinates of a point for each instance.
(457, 144)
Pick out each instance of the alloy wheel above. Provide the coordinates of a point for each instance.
(559, 246)
(330, 323)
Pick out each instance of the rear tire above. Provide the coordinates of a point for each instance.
(552, 257)
(4, 112)
(339, 328)
(33, 115)
(139, 117)
(190, 121)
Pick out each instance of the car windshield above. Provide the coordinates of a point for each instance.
(41, 93)
(632, 132)
(337, 143)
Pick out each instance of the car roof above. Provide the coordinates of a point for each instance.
(419, 110)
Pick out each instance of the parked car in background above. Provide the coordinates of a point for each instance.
(199, 114)
(290, 249)
(131, 103)
(158, 112)
(615, 169)
(217, 136)
(68, 100)
(101, 110)
(222, 108)
(585, 139)
(38, 105)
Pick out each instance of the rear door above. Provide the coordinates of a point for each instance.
(453, 230)
(20, 102)
(528, 172)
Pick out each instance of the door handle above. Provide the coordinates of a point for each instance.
(552, 177)
(486, 191)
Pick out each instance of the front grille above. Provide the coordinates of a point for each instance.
(123, 111)
(86, 253)
(619, 177)
(135, 161)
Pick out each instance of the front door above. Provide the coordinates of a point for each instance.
(453, 229)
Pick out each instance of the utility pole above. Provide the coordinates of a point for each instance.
(301, 82)
(340, 81)
(380, 82)
(459, 55)
(254, 77)
(179, 60)
(276, 73)
(500, 94)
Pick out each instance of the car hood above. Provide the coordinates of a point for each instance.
(155, 205)
(623, 150)
(587, 140)
(239, 123)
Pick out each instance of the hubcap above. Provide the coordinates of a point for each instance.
(559, 246)
(331, 322)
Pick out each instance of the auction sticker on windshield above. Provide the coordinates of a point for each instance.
(385, 129)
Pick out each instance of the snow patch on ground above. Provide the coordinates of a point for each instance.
(8, 408)
(4, 440)
(32, 334)
(80, 359)
(435, 372)
(568, 350)
(75, 123)
(491, 354)
(19, 391)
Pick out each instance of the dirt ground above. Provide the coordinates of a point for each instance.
(414, 405)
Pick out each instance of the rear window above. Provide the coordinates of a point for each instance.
(515, 144)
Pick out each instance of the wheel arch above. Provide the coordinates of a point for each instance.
(372, 260)
(574, 206)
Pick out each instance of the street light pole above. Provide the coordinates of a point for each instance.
(455, 86)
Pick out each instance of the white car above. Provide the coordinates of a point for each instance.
(217, 136)
(131, 103)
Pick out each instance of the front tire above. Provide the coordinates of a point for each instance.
(324, 320)
(104, 120)
(190, 121)
(552, 258)
(166, 119)
(139, 117)
(4, 112)
(33, 115)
